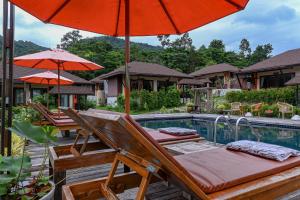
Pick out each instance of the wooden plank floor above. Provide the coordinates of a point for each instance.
(156, 191)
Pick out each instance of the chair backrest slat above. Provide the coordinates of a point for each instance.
(44, 113)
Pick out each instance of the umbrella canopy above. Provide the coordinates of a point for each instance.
(46, 78)
(131, 18)
(56, 59)
(147, 17)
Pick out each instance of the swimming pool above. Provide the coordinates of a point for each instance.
(284, 136)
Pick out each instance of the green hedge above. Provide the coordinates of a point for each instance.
(270, 96)
(145, 100)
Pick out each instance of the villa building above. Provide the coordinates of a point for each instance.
(23, 92)
(221, 76)
(273, 72)
(148, 76)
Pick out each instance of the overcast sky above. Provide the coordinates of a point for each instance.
(263, 21)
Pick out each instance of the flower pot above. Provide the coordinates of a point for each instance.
(50, 195)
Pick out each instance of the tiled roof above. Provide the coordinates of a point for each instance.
(145, 69)
(73, 89)
(213, 69)
(287, 59)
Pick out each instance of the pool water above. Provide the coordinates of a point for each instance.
(287, 137)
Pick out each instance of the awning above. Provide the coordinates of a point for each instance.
(187, 81)
(72, 89)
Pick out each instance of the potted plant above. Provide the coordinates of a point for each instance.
(221, 108)
(189, 107)
(15, 179)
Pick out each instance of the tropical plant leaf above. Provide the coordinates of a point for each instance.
(6, 178)
(36, 134)
(51, 132)
(3, 189)
(13, 164)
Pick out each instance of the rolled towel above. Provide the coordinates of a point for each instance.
(270, 151)
(177, 131)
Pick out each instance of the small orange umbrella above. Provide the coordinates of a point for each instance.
(56, 59)
(46, 78)
(131, 17)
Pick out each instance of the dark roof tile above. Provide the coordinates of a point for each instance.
(213, 69)
(281, 61)
(145, 69)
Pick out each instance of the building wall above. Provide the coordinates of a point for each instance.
(113, 87)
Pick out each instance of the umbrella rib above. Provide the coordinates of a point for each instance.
(118, 17)
(169, 16)
(57, 11)
(238, 6)
(86, 66)
(37, 63)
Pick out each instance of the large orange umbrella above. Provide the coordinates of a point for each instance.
(46, 78)
(131, 17)
(56, 59)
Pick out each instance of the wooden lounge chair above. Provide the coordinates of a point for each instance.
(65, 125)
(86, 132)
(236, 108)
(205, 174)
(54, 115)
(255, 108)
(285, 108)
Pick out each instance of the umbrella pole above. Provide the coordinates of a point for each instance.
(127, 58)
(58, 90)
(48, 95)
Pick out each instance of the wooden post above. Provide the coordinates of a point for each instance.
(4, 62)
(11, 33)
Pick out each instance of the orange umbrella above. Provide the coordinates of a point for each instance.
(56, 59)
(46, 78)
(131, 17)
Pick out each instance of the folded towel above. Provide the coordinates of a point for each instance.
(178, 131)
(270, 151)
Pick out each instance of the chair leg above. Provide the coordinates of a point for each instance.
(143, 187)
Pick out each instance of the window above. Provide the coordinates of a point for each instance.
(64, 100)
(147, 85)
(164, 84)
(19, 96)
(276, 80)
(37, 92)
(134, 85)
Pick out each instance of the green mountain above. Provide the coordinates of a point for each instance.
(24, 47)
(120, 43)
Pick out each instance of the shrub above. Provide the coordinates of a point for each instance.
(40, 99)
(25, 114)
(145, 100)
(172, 98)
(269, 96)
(86, 104)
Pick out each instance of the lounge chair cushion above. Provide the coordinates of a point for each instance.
(270, 151)
(177, 131)
(162, 137)
(64, 122)
(219, 169)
